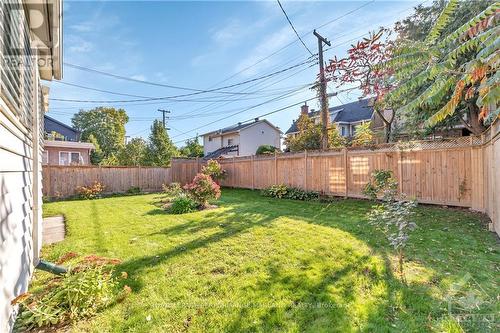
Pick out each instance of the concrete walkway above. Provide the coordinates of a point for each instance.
(53, 229)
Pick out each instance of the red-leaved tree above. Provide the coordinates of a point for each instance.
(360, 69)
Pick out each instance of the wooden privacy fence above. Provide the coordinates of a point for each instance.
(457, 172)
(62, 181)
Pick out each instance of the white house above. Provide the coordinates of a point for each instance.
(241, 139)
(346, 117)
(30, 36)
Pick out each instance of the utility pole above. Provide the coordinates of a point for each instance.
(325, 117)
(164, 117)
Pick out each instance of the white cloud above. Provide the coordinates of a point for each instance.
(228, 33)
(267, 46)
(139, 77)
(83, 27)
(76, 44)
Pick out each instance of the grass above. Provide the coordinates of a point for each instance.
(257, 264)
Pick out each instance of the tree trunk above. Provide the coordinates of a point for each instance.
(476, 125)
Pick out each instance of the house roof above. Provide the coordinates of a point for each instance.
(51, 124)
(69, 144)
(221, 151)
(240, 126)
(353, 112)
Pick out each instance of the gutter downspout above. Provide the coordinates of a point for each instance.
(51, 267)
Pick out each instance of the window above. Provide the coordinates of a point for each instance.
(342, 130)
(229, 142)
(209, 139)
(45, 157)
(70, 158)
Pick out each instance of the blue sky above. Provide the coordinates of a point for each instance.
(202, 45)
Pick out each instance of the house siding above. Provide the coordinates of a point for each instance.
(21, 146)
(53, 154)
(259, 134)
(20, 216)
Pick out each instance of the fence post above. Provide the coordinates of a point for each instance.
(346, 173)
(197, 165)
(253, 173)
(233, 174)
(275, 168)
(48, 192)
(305, 169)
(400, 171)
(139, 177)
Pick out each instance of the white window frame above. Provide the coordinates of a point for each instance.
(80, 159)
(230, 142)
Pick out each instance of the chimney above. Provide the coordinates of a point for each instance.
(256, 119)
(304, 109)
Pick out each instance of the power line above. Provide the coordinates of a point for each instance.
(293, 28)
(241, 111)
(309, 60)
(265, 114)
(293, 42)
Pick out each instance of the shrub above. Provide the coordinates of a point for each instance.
(284, 192)
(214, 170)
(275, 191)
(80, 293)
(265, 150)
(300, 194)
(182, 205)
(172, 190)
(392, 216)
(90, 192)
(382, 183)
(203, 189)
(134, 190)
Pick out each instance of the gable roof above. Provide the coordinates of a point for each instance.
(221, 151)
(353, 112)
(50, 124)
(240, 126)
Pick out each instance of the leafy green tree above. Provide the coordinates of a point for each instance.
(160, 148)
(265, 150)
(107, 127)
(134, 152)
(449, 73)
(418, 25)
(363, 135)
(192, 148)
(309, 136)
(96, 155)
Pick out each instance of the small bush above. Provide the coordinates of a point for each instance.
(275, 191)
(93, 191)
(214, 170)
(299, 194)
(284, 192)
(87, 288)
(182, 205)
(265, 150)
(134, 190)
(172, 190)
(203, 189)
(382, 183)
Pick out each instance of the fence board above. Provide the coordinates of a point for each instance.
(62, 181)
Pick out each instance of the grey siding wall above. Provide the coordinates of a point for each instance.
(20, 179)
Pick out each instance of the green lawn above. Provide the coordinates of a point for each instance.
(265, 265)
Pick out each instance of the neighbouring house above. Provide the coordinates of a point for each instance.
(62, 145)
(345, 117)
(31, 36)
(241, 139)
